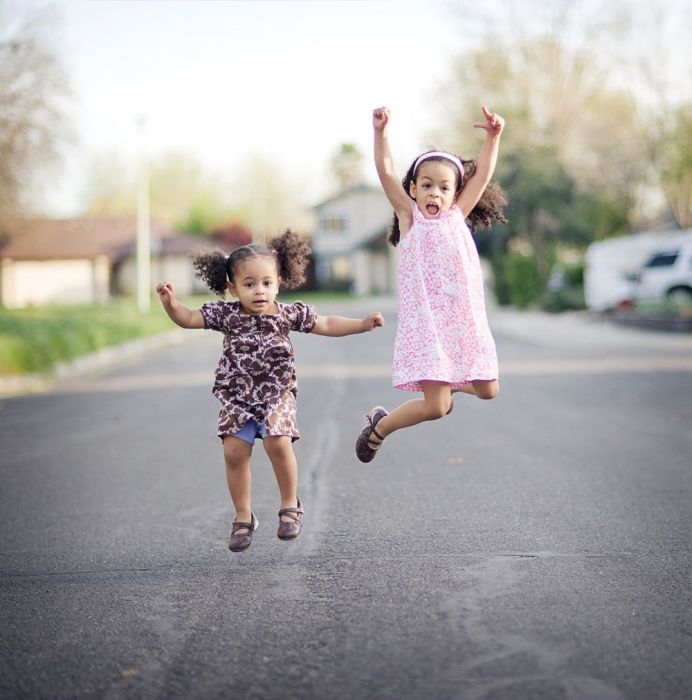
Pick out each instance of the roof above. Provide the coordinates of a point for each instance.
(360, 187)
(79, 238)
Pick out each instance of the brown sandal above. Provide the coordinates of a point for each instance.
(290, 529)
(241, 542)
(366, 447)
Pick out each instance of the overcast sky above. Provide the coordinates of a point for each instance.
(222, 80)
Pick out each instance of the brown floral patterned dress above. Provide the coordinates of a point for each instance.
(256, 375)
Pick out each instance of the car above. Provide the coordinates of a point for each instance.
(667, 274)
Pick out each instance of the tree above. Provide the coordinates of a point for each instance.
(551, 99)
(33, 92)
(110, 189)
(674, 155)
(546, 209)
(593, 81)
(266, 200)
(181, 193)
(347, 165)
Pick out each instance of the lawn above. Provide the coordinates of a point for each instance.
(36, 339)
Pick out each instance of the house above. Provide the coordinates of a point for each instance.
(349, 242)
(84, 260)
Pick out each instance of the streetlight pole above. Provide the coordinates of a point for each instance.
(143, 232)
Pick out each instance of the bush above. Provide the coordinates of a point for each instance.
(568, 294)
(524, 281)
(569, 298)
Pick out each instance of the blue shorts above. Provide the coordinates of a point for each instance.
(251, 431)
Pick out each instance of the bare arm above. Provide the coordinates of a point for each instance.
(384, 163)
(337, 326)
(177, 312)
(487, 160)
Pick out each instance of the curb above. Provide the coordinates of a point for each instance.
(94, 362)
(655, 323)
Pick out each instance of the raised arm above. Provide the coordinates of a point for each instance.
(177, 312)
(393, 189)
(485, 165)
(337, 326)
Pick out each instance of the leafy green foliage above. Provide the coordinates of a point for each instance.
(525, 282)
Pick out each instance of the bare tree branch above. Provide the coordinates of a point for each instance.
(33, 98)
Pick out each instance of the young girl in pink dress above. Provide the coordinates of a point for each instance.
(443, 342)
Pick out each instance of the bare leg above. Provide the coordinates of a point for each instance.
(437, 398)
(280, 452)
(237, 454)
(481, 388)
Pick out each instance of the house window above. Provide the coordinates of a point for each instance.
(334, 224)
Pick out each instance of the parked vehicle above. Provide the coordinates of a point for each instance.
(667, 274)
(614, 269)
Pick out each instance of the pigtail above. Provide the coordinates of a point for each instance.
(211, 268)
(490, 206)
(292, 256)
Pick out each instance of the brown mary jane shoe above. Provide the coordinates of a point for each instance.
(290, 529)
(240, 541)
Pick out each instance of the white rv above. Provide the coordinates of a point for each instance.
(613, 267)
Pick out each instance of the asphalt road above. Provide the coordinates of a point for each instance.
(535, 546)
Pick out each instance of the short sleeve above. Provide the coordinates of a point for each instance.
(301, 317)
(218, 315)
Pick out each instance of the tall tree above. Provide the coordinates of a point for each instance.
(110, 187)
(347, 165)
(33, 95)
(673, 152)
(585, 79)
(269, 202)
(191, 199)
(181, 192)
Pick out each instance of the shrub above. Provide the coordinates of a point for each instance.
(524, 281)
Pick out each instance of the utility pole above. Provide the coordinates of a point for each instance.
(143, 232)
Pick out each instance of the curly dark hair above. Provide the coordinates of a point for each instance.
(488, 208)
(289, 251)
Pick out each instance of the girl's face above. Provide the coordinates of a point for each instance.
(434, 188)
(256, 285)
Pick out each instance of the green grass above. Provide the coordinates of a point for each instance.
(36, 339)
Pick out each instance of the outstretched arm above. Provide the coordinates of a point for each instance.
(384, 163)
(337, 326)
(485, 165)
(177, 312)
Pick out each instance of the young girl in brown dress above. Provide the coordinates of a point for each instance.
(255, 377)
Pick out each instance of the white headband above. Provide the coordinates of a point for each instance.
(440, 154)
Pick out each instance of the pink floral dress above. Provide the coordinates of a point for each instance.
(443, 333)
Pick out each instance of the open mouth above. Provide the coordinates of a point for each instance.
(432, 209)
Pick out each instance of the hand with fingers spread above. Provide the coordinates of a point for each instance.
(493, 124)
